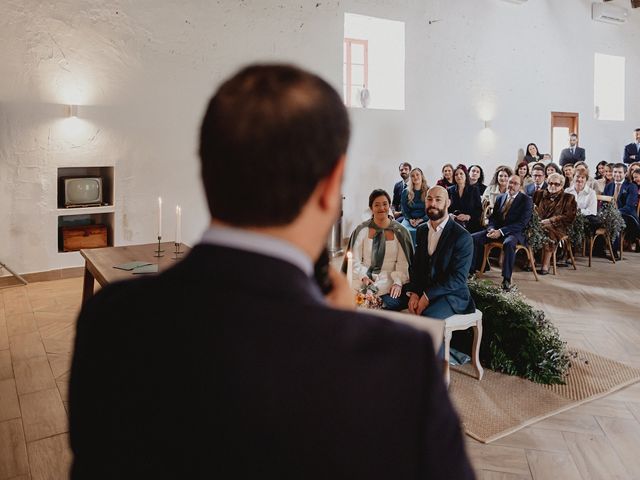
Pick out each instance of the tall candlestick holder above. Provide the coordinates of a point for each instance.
(159, 252)
(177, 252)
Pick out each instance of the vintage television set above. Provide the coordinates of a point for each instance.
(85, 191)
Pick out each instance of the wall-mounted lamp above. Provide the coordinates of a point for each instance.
(71, 111)
(487, 124)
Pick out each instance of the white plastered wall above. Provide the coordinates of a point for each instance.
(142, 73)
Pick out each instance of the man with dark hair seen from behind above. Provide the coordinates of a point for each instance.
(232, 364)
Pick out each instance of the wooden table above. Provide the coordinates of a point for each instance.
(99, 263)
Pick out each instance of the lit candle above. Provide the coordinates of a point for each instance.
(159, 217)
(350, 269)
(178, 223)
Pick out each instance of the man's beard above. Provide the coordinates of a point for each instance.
(435, 213)
(404, 176)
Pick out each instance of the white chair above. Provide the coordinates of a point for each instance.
(463, 322)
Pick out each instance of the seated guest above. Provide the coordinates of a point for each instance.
(625, 194)
(635, 177)
(382, 250)
(476, 178)
(507, 224)
(568, 171)
(557, 211)
(412, 202)
(606, 178)
(438, 274)
(447, 176)
(538, 177)
(600, 169)
(591, 182)
(522, 170)
(497, 186)
(398, 188)
(573, 153)
(466, 204)
(632, 168)
(532, 154)
(553, 168)
(585, 196)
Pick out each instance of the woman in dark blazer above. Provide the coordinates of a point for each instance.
(466, 205)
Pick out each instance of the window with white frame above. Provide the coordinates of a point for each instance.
(373, 62)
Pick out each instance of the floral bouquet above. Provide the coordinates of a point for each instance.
(367, 297)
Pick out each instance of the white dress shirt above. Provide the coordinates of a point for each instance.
(435, 234)
(585, 199)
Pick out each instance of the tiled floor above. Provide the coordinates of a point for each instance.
(596, 309)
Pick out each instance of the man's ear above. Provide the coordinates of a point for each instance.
(331, 186)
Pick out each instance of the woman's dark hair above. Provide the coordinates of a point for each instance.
(597, 175)
(481, 178)
(526, 152)
(520, 165)
(378, 192)
(273, 123)
(555, 166)
(462, 168)
(501, 168)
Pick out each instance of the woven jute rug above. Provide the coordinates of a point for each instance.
(502, 404)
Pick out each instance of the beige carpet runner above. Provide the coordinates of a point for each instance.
(501, 404)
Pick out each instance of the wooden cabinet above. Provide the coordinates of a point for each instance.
(87, 236)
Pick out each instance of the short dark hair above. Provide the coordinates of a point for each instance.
(405, 164)
(637, 130)
(620, 165)
(574, 135)
(378, 192)
(284, 129)
(539, 166)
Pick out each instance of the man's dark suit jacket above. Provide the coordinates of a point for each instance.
(517, 218)
(629, 151)
(627, 198)
(230, 365)
(443, 274)
(397, 195)
(567, 157)
(531, 188)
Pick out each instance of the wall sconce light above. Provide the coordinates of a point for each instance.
(71, 111)
(487, 124)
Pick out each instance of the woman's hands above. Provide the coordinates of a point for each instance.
(396, 290)
(463, 217)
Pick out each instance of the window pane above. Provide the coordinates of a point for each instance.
(560, 141)
(608, 87)
(357, 53)
(357, 75)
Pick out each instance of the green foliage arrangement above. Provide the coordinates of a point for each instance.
(578, 230)
(611, 219)
(518, 339)
(535, 234)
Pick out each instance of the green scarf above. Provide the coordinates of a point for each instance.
(378, 248)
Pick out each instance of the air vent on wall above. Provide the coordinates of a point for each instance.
(601, 12)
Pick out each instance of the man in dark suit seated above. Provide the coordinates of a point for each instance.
(538, 177)
(574, 153)
(507, 224)
(438, 274)
(233, 364)
(625, 194)
(632, 150)
(398, 188)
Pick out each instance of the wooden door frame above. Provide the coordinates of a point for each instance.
(576, 121)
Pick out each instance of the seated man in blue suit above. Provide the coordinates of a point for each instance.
(233, 364)
(507, 224)
(438, 274)
(625, 194)
(405, 169)
(539, 182)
